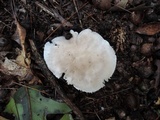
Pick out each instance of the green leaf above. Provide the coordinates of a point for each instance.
(29, 104)
(12, 108)
(67, 117)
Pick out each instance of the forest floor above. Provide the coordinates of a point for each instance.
(132, 27)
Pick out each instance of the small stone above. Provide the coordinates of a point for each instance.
(151, 39)
(121, 113)
(133, 48)
(146, 71)
(132, 101)
(146, 49)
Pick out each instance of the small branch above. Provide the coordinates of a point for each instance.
(52, 80)
(75, 5)
(54, 14)
(67, 20)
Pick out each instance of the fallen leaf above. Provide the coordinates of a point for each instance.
(29, 104)
(158, 101)
(22, 34)
(149, 29)
(20, 66)
(15, 37)
(22, 58)
(10, 67)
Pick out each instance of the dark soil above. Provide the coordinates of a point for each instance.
(133, 91)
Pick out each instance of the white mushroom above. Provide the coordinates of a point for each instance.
(86, 60)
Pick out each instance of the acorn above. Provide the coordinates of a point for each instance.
(102, 4)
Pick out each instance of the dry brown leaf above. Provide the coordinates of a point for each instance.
(23, 58)
(149, 29)
(20, 66)
(22, 35)
(15, 37)
(10, 67)
(34, 80)
(158, 101)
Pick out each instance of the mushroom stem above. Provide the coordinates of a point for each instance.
(52, 80)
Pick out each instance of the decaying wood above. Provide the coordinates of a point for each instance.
(52, 80)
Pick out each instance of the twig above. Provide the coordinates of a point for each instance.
(5, 24)
(67, 19)
(32, 88)
(54, 14)
(140, 7)
(75, 5)
(52, 80)
(91, 16)
(97, 115)
(29, 103)
(121, 8)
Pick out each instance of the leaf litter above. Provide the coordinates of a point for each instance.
(21, 65)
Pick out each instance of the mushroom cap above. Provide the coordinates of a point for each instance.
(86, 59)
